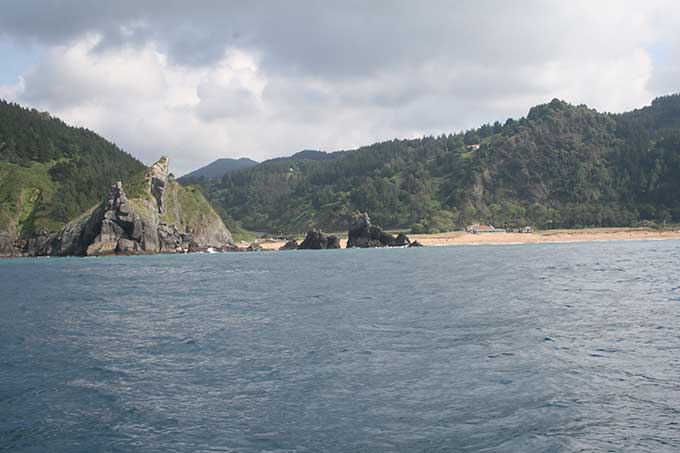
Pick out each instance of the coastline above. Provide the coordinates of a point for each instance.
(458, 238)
(543, 236)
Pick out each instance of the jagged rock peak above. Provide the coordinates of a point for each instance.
(120, 229)
(116, 196)
(363, 234)
(159, 179)
(150, 213)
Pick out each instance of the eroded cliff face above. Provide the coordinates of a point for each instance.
(151, 213)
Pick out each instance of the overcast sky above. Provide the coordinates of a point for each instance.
(201, 80)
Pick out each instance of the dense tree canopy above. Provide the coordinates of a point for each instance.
(51, 172)
(561, 166)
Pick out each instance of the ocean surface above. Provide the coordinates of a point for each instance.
(542, 347)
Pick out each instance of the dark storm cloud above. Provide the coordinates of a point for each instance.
(331, 39)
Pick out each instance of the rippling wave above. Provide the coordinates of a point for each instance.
(537, 347)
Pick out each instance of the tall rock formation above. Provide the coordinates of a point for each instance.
(363, 234)
(151, 213)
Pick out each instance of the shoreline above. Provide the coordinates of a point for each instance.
(459, 238)
(543, 236)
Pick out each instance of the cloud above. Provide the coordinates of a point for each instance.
(12, 90)
(72, 75)
(232, 89)
(213, 79)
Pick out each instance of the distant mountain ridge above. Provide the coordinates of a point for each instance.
(560, 166)
(310, 154)
(218, 168)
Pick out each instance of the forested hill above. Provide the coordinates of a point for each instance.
(311, 154)
(560, 166)
(51, 172)
(218, 168)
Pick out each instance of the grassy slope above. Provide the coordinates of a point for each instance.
(22, 191)
(560, 166)
(194, 205)
(184, 205)
(50, 172)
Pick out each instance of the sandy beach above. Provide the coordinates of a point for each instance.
(465, 238)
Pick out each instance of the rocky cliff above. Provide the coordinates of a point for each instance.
(150, 213)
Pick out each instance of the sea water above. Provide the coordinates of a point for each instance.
(544, 347)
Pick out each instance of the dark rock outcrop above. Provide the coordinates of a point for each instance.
(415, 244)
(254, 247)
(170, 239)
(9, 246)
(332, 242)
(359, 231)
(290, 245)
(116, 221)
(316, 240)
(159, 178)
(363, 234)
(402, 240)
(230, 248)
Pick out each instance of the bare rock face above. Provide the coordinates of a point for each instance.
(120, 226)
(159, 179)
(128, 247)
(211, 232)
(9, 246)
(171, 240)
(316, 240)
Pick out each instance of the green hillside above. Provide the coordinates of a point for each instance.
(50, 172)
(560, 166)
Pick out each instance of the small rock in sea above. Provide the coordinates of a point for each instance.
(316, 240)
(333, 242)
(415, 244)
(363, 234)
(402, 240)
